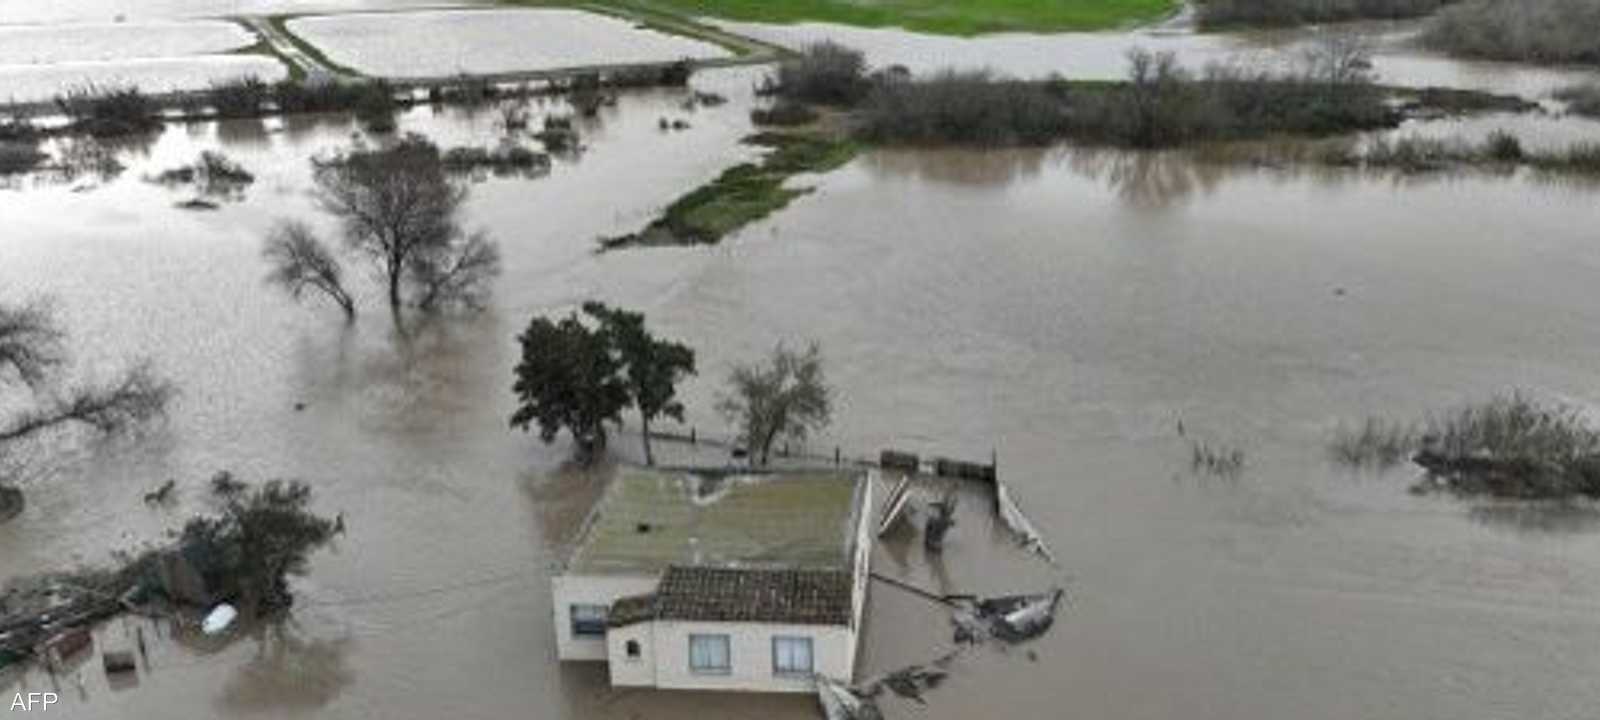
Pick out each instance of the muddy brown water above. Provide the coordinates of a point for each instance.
(1064, 308)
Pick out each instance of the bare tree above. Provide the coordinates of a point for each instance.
(395, 203)
(31, 354)
(1157, 98)
(457, 273)
(1338, 59)
(300, 262)
(30, 343)
(787, 397)
(138, 395)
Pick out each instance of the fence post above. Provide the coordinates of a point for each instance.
(694, 438)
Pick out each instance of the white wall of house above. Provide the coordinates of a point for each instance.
(750, 655)
(569, 590)
(863, 571)
(632, 670)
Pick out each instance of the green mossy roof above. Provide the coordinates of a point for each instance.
(648, 520)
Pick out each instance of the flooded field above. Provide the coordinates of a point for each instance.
(33, 83)
(1064, 308)
(115, 10)
(439, 44)
(37, 62)
(1103, 56)
(46, 44)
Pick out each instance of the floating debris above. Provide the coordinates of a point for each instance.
(1012, 516)
(219, 619)
(895, 506)
(118, 661)
(939, 523)
(162, 494)
(840, 702)
(1012, 618)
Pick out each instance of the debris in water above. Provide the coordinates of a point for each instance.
(939, 522)
(118, 661)
(219, 619)
(913, 681)
(840, 702)
(1012, 618)
(162, 494)
(1019, 524)
(894, 508)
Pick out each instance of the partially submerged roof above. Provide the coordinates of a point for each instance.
(798, 597)
(649, 520)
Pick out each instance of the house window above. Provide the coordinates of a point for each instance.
(709, 655)
(791, 655)
(633, 649)
(588, 620)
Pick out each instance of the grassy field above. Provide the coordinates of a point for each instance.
(743, 194)
(947, 17)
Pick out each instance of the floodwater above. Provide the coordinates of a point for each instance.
(437, 44)
(1063, 308)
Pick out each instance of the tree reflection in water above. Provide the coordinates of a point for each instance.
(288, 672)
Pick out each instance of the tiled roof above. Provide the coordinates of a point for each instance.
(801, 597)
(632, 609)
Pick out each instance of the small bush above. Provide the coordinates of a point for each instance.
(239, 98)
(1217, 13)
(1582, 99)
(504, 160)
(19, 157)
(1580, 158)
(1377, 444)
(965, 107)
(1546, 31)
(825, 73)
(19, 128)
(1216, 460)
(784, 113)
(375, 107)
(1504, 147)
(107, 111)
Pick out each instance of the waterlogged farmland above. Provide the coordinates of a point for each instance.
(39, 61)
(443, 43)
(46, 44)
(1092, 316)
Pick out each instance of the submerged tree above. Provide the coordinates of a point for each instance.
(569, 377)
(455, 275)
(263, 536)
(31, 356)
(399, 208)
(653, 366)
(786, 397)
(300, 262)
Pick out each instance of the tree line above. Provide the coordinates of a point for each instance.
(579, 372)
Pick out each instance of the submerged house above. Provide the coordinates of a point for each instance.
(718, 580)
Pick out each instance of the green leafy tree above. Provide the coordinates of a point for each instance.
(263, 536)
(786, 397)
(569, 377)
(653, 367)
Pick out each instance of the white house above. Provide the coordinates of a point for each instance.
(719, 580)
